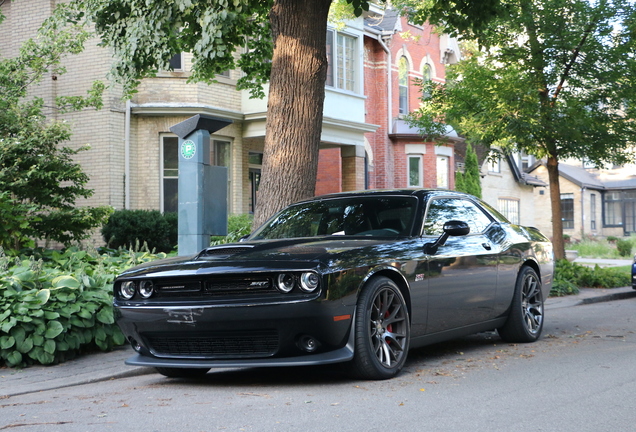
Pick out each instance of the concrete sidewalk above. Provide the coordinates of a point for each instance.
(105, 366)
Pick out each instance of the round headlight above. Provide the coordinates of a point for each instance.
(309, 281)
(146, 289)
(286, 282)
(127, 290)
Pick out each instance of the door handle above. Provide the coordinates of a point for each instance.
(486, 246)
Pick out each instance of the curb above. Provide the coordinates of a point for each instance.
(608, 297)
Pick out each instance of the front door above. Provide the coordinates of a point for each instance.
(462, 274)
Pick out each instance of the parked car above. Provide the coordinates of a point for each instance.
(355, 278)
(634, 273)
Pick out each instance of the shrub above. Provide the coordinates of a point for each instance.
(624, 247)
(54, 305)
(128, 227)
(569, 276)
(237, 226)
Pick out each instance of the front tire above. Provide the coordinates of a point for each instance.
(382, 331)
(182, 372)
(525, 321)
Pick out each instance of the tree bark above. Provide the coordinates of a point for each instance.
(555, 202)
(295, 105)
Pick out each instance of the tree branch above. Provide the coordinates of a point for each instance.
(568, 67)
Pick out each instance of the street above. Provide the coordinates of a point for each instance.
(580, 376)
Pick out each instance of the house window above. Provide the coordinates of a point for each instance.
(426, 72)
(593, 211)
(403, 78)
(220, 155)
(255, 164)
(442, 172)
(170, 174)
(341, 69)
(567, 210)
(176, 62)
(415, 171)
(613, 209)
(630, 211)
(494, 165)
(509, 208)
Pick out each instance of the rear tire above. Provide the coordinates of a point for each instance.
(182, 372)
(525, 320)
(382, 331)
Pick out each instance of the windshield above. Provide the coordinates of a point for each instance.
(368, 216)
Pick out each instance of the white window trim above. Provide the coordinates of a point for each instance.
(420, 170)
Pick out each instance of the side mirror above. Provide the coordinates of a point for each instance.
(242, 239)
(453, 228)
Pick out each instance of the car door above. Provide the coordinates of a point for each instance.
(462, 276)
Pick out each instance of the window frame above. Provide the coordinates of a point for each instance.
(343, 65)
(162, 181)
(438, 172)
(567, 200)
(403, 85)
(420, 171)
(504, 205)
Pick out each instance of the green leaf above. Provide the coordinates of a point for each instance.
(105, 316)
(54, 328)
(25, 346)
(43, 295)
(100, 334)
(75, 321)
(6, 342)
(118, 337)
(65, 282)
(49, 346)
(14, 359)
(49, 315)
(38, 340)
(8, 325)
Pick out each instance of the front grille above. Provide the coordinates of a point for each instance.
(237, 287)
(221, 287)
(259, 343)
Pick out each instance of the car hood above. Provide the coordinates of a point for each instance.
(254, 256)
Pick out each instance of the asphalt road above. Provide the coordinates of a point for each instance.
(581, 376)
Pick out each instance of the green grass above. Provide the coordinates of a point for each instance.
(599, 248)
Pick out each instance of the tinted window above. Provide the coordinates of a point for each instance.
(441, 210)
(359, 216)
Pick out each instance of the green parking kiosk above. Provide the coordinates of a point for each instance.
(202, 187)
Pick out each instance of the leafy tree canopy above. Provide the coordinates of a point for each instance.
(39, 181)
(554, 81)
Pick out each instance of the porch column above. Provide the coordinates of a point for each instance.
(353, 168)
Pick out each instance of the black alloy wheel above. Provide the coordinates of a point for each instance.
(525, 321)
(382, 331)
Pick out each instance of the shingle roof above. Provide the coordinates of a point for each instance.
(386, 22)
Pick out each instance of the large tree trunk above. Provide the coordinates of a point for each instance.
(295, 106)
(555, 201)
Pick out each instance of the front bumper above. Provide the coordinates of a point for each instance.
(217, 336)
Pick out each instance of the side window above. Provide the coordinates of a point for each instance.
(442, 210)
(476, 218)
(439, 212)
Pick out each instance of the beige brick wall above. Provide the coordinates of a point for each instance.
(503, 185)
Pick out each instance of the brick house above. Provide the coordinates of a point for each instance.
(396, 53)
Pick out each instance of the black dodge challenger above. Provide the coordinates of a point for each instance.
(355, 278)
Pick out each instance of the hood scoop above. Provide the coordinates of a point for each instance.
(223, 251)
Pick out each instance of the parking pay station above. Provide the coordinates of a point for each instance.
(202, 187)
